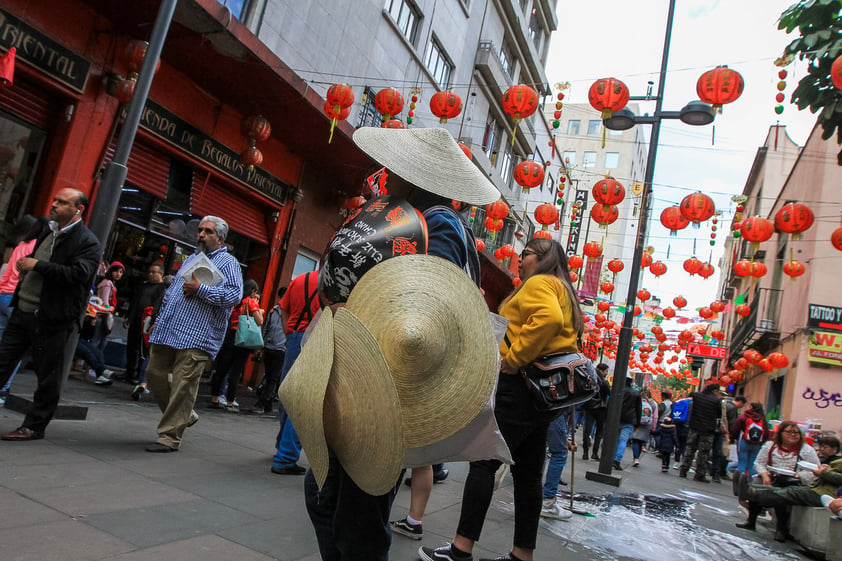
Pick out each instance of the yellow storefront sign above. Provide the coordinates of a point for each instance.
(825, 347)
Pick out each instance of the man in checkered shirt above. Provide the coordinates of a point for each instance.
(188, 332)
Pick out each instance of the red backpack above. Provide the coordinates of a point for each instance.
(753, 432)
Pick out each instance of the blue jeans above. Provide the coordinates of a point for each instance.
(5, 314)
(288, 446)
(717, 459)
(92, 355)
(557, 445)
(747, 453)
(349, 523)
(622, 441)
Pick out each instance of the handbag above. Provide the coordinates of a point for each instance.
(248, 335)
(560, 380)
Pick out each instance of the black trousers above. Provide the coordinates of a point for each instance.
(47, 343)
(273, 363)
(230, 363)
(594, 417)
(134, 349)
(525, 432)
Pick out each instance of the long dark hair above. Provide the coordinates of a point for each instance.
(779, 433)
(553, 261)
(758, 408)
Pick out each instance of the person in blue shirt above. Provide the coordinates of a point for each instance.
(188, 332)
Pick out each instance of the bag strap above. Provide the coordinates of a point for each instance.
(308, 303)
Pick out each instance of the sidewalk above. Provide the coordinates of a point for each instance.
(88, 491)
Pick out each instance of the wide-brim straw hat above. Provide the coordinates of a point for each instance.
(435, 331)
(362, 412)
(303, 393)
(339, 395)
(430, 159)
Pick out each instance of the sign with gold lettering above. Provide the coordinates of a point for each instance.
(174, 130)
(41, 52)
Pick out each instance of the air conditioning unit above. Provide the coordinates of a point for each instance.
(766, 325)
(730, 291)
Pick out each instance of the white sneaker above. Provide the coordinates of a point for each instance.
(103, 381)
(826, 500)
(108, 373)
(222, 401)
(551, 509)
(675, 465)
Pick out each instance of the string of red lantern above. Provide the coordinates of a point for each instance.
(338, 102)
(257, 129)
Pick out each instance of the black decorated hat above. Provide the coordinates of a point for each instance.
(383, 228)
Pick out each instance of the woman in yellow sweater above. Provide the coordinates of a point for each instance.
(544, 318)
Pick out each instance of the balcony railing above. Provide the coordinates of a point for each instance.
(760, 330)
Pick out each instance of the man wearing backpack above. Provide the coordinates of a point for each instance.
(680, 417)
(705, 414)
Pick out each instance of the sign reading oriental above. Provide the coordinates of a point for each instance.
(176, 131)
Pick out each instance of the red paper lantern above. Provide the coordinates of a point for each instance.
(758, 269)
(719, 86)
(604, 217)
(643, 295)
(794, 218)
(592, 249)
(692, 265)
(603, 306)
(252, 157)
(125, 90)
(697, 207)
(668, 313)
(607, 287)
(493, 224)
(257, 128)
(466, 150)
(741, 364)
(756, 230)
(529, 174)
(717, 306)
(546, 214)
(836, 72)
(752, 356)
(658, 268)
(794, 269)
(706, 270)
(645, 260)
(743, 310)
(336, 113)
(7, 68)
(543, 234)
(717, 334)
(340, 95)
(393, 124)
(136, 52)
(742, 268)
(609, 192)
(519, 102)
(516, 282)
(575, 262)
(778, 360)
(608, 95)
(705, 313)
(836, 238)
(498, 209)
(480, 244)
(388, 102)
(615, 266)
(637, 312)
(765, 365)
(574, 278)
(679, 302)
(673, 220)
(445, 105)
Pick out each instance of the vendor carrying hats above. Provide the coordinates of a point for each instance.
(350, 514)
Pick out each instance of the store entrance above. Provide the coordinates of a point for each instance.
(21, 148)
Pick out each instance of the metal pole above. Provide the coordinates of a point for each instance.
(108, 197)
(612, 425)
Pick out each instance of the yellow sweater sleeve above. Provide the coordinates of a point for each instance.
(540, 321)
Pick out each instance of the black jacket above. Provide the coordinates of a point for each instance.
(705, 412)
(67, 276)
(632, 406)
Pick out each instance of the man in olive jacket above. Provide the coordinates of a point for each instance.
(49, 300)
(705, 414)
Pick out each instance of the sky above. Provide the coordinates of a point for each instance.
(625, 40)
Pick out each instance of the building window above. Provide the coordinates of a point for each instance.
(369, 115)
(236, 7)
(593, 127)
(611, 160)
(406, 16)
(438, 63)
(573, 127)
(589, 160)
(491, 138)
(569, 158)
(507, 164)
(536, 32)
(507, 59)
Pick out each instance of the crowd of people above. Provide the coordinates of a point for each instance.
(179, 326)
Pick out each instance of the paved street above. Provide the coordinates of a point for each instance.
(90, 492)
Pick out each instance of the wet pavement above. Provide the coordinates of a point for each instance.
(88, 491)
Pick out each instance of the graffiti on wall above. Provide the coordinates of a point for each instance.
(822, 398)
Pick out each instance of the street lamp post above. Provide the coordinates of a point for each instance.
(694, 113)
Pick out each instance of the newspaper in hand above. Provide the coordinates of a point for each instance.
(198, 264)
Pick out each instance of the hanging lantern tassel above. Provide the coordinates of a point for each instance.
(516, 120)
(7, 68)
(332, 126)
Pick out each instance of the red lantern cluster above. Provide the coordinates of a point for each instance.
(673, 220)
(338, 102)
(720, 86)
(257, 129)
(445, 105)
(504, 252)
(135, 53)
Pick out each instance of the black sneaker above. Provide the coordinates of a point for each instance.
(440, 476)
(701, 479)
(682, 472)
(404, 528)
(617, 466)
(442, 553)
